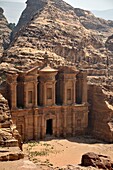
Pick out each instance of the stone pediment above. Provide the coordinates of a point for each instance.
(33, 71)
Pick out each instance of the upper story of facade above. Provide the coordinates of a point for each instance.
(41, 87)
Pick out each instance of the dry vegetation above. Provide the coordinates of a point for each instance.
(61, 152)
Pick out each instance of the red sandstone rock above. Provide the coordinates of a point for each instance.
(9, 136)
(75, 36)
(98, 161)
(100, 112)
(4, 32)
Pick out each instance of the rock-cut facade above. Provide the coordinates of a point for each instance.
(46, 101)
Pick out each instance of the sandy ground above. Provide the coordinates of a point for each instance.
(58, 152)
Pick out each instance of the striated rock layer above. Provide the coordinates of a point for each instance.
(65, 32)
(69, 35)
(10, 140)
(4, 32)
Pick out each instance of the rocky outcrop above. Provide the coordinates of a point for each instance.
(9, 136)
(10, 154)
(76, 167)
(4, 32)
(101, 112)
(89, 21)
(109, 43)
(97, 161)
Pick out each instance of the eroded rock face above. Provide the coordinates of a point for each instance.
(9, 136)
(109, 43)
(70, 33)
(4, 32)
(10, 154)
(98, 161)
(101, 112)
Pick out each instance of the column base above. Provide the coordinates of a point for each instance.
(14, 108)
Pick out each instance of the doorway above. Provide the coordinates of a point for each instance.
(49, 128)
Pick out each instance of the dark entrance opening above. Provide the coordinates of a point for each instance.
(49, 130)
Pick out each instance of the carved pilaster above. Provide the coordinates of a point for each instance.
(43, 127)
(73, 123)
(64, 93)
(25, 95)
(58, 125)
(35, 125)
(65, 122)
(74, 92)
(13, 95)
(54, 95)
(35, 94)
(12, 82)
(84, 88)
(44, 99)
(26, 128)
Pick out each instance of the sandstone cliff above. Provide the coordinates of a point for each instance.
(4, 32)
(65, 32)
(101, 112)
(69, 35)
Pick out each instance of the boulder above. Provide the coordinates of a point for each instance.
(96, 160)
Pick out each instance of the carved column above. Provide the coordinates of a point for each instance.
(35, 125)
(13, 95)
(65, 122)
(35, 95)
(35, 91)
(54, 95)
(44, 96)
(74, 92)
(58, 125)
(73, 123)
(43, 126)
(39, 127)
(64, 93)
(25, 95)
(84, 88)
(26, 128)
(12, 82)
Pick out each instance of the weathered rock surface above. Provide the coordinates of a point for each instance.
(101, 112)
(4, 32)
(75, 167)
(65, 32)
(10, 154)
(69, 35)
(98, 161)
(9, 136)
(109, 43)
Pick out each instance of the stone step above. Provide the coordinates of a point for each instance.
(10, 154)
(11, 143)
(5, 125)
